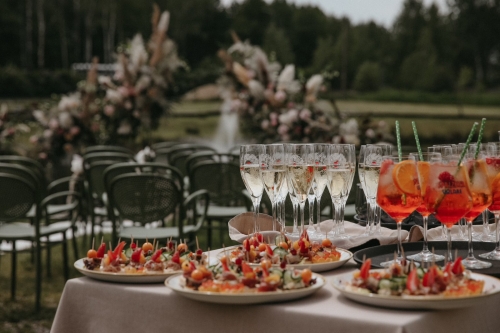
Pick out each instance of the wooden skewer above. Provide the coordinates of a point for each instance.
(208, 256)
(102, 239)
(119, 240)
(93, 239)
(110, 247)
(197, 244)
(364, 257)
(154, 242)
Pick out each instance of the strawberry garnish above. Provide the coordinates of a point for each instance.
(412, 281)
(176, 258)
(364, 272)
(118, 249)
(101, 250)
(446, 177)
(156, 256)
(458, 268)
(136, 255)
(428, 279)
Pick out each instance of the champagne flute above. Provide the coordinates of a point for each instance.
(349, 152)
(481, 193)
(311, 197)
(423, 167)
(300, 171)
(397, 192)
(493, 170)
(320, 177)
(272, 172)
(249, 170)
(372, 162)
(377, 212)
(295, 203)
(361, 176)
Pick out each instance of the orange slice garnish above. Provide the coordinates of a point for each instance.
(424, 169)
(403, 176)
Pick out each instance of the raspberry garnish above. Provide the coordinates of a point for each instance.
(446, 177)
(293, 252)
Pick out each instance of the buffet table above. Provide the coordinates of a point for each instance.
(89, 305)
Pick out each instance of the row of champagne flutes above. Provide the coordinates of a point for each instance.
(302, 171)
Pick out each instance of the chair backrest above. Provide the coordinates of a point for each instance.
(165, 144)
(210, 156)
(94, 177)
(222, 180)
(16, 197)
(29, 163)
(114, 157)
(25, 173)
(144, 168)
(144, 198)
(107, 149)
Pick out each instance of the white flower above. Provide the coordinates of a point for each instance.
(47, 134)
(113, 95)
(138, 53)
(305, 114)
(69, 102)
(283, 129)
(39, 115)
(280, 96)
(143, 82)
(53, 123)
(285, 119)
(370, 133)
(265, 124)
(125, 128)
(65, 120)
(256, 89)
(104, 80)
(77, 164)
(350, 127)
(293, 115)
(144, 155)
(286, 77)
(164, 21)
(313, 84)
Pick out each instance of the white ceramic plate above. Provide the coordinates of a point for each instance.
(345, 256)
(491, 289)
(175, 283)
(150, 277)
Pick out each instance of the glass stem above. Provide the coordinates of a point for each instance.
(368, 218)
(400, 242)
(470, 255)
(273, 205)
(278, 213)
(497, 217)
(425, 222)
(341, 218)
(283, 215)
(295, 218)
(449, 257)
(311, 214)
(486, 226)
(256, 202)
(318, 212)
(302, 207)
(378, 220)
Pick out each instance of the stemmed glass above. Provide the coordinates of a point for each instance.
(480, 189)
(372, 162)
(423, 178)
(361, 176)
(300, 171)
(295, 203)
(272, 172)
(349, 152)
(311, 197)
(397, 192)
(249, 170)
(320, 177)
(339, 174)
(493, 170)
(448, 194)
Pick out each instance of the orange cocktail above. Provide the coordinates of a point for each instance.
(448, 194)
(398, 193)
(493, 170)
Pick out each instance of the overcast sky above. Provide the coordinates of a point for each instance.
(380, 11)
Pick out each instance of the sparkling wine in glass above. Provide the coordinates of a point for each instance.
(398, 194)
(272, 172)
(320, 178)
(300, 172)
(250, 172)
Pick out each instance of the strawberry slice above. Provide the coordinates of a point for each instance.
(119, 248)
(428, 279)
(412, 281)
(101, 250)
(364, 272)
(156, 256)
(458, 268)
(269, 251)
(304, 235)
(176, 258)
(136, 255)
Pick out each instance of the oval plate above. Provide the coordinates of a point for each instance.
(149, 277)
(491, 289)
(175, 283)
(345, 256)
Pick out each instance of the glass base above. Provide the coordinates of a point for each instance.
(473, 263)
(488, 238)
(425, 256)
(493, 255)
(342, 236)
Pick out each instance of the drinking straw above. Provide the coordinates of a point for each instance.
(473, 129)
(398, 137)
(480, 137)
(417, 141)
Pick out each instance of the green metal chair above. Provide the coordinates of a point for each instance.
(165, 144)
(16, 199)
(107, 149)
(148, 198)
(223, 182)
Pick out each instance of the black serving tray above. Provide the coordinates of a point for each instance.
(382, 253)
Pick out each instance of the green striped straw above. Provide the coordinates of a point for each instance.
(467, 143)
(417, 141)
(398, 138)
(480, 137)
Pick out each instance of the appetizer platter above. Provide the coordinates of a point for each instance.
(239, 283)
(409, 287)
(137, 264)
(319, 256)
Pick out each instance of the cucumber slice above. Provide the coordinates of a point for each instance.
(385, 284)
(420, 272)
(287, 277)
(281, 252)
(276, 271)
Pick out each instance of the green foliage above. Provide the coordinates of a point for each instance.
(369, 77)
(276, 42)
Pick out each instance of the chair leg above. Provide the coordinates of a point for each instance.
(49, 257)
(13, 272)
(75, 245)
(38, 282)
(65, 256)
(92, 226)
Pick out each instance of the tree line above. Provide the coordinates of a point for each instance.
(425, 49)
